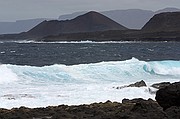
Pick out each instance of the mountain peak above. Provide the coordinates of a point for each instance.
(168, 9)
(168, 21)
(91, 13)
(89, 22)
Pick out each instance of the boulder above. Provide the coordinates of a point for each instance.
(160, 85)
(155, 87)
(173, 112)
(144, 109)
(169, 96)
(137, 84)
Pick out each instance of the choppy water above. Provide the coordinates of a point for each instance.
(40, 54)
(42, 74)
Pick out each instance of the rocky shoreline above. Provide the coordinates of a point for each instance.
(129, 109)
(166, 106)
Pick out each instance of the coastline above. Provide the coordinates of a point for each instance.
(137, 108)
(129, 109)
(100, 36)
(116, 35)
(108, 110)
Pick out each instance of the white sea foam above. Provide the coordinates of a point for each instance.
(81, 84)
(6, 75)
(164, 68)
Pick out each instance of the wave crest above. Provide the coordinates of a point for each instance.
(113, 71)
(7, 75)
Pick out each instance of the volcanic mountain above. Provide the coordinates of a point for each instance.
(89, 22)
(169, 21)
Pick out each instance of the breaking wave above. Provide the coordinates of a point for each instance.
(81, 84)
(113, 71)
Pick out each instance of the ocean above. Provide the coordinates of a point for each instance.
(37, 74)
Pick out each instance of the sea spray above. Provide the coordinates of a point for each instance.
(34, 86)
(7, 75)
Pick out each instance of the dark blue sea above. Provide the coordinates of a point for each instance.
(41, 54)
(37, 74)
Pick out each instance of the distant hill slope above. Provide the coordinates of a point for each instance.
(89, 22)
(96, 27)
(71, 16)
(19, 26)
(168, 9)
(130, 18)
(169, 21)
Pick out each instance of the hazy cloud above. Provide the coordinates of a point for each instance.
(25, 9)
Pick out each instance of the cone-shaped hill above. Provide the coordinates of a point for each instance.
(89, 22)
(169, 21)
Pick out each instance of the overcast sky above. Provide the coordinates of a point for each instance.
(11, 10)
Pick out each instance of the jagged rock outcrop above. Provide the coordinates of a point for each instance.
(169, 96)
(173, 112)
(156, 86)
(89, 22)
(135, 109)
(137, 84)
(160, 85)
(168, 21)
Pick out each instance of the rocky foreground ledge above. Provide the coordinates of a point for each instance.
(168, 97)
(129, 109)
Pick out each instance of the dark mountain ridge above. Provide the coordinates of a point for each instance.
(89, 22)
(130, 18)
(169, 21)
(161, 27)
(96, 27)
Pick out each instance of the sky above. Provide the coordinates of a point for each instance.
(12, 10)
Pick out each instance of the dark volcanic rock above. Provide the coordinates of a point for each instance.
(133, 109)
(160, 85)
(137, 84)
(89, 22)
(147, 110)
(173, 112)
(169, 96)
(168, 21)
